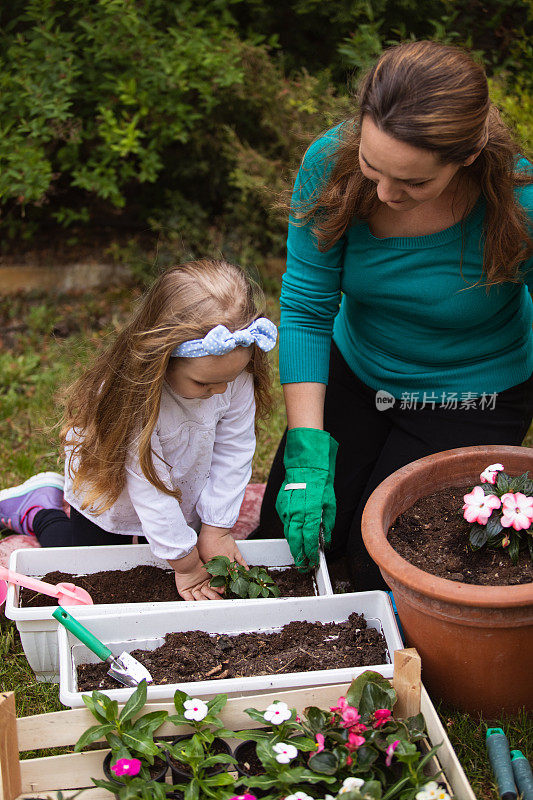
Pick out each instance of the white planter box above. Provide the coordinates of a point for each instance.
(37, 627)
(148, 631)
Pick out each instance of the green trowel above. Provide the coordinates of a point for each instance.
(124, 668)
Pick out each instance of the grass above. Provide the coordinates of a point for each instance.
(44, 342)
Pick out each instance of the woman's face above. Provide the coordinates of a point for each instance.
(405, 176)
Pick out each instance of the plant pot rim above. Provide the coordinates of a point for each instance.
(375, 535)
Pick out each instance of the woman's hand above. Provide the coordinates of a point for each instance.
(218, 542)
(192, 579)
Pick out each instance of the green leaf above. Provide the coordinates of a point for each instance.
(264, 592)
(239, 587)
(502, 483)
(135, 702)
(325, 762)
(216, 704)
(376, 696)
(365, 757)
(514, 548)
(253, 590)
(494, 526)
(220, 565)
(92, 734)
(192, 792)
(478, 535)
(149, 723)
(529, 537)
(179, 700)
(96, 710)
(140, 743)
(217, 581)
(354, 693)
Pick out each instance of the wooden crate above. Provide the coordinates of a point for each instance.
(43, 777)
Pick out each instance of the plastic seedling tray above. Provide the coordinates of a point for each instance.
(36, 626)
(147, 632)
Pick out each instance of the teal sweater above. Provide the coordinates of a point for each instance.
(404, 313)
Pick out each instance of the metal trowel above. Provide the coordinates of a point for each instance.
(124, 668)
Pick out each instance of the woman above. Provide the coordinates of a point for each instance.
(414, 219)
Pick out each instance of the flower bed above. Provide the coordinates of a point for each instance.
(279, 722)
(36, 626)
(147, 632)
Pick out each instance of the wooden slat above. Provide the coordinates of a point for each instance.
(446, 754)
(88, 794)
(62, 728)
(406, 681)
(10, 780)
(70, 771)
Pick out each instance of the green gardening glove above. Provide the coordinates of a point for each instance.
(306, 498)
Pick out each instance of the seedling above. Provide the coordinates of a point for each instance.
(239, 581)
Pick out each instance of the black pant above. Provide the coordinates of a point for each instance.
(53, 528)
(374, 443)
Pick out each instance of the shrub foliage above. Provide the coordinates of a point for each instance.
(188, 118)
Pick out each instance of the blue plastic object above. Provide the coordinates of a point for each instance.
(396, 615)
(522, 774)
(500, 761)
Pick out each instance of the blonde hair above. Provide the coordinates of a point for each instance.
(434, 97)
(118, 397)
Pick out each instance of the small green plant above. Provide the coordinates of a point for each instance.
(239, 581)
(126, 738)
(197, 752)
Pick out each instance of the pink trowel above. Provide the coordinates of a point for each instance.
(67, 593)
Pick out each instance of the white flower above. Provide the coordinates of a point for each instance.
(490, 474)
(195, 709)
(351, 784)
(298, 796)
(285, 752)
(277, 713)
(432, 791)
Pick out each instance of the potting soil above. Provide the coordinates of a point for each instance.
(297, 647)
(434, 535)
(147, 584)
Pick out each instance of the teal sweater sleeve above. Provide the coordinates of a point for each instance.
(311, 286)
(407, 313)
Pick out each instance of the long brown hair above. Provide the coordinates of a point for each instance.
(434, 97)
(118, 397)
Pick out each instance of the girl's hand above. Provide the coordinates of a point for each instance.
(218, 542)
(192, 579)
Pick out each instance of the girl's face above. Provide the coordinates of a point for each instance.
(201, 378)
(405, 176)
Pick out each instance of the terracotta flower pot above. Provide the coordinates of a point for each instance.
(476, 642)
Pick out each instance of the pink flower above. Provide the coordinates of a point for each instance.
(390, 750)
(354, 741)
(350, 716)
(517, 511)
(478, 505)
(319, 742)
(127, 766)
(243, 797)
(490, 474)
(342, 705)
(381, 716)
(349, 761)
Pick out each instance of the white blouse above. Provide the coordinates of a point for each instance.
(203, 447)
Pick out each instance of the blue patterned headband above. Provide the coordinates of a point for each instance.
(220, 340)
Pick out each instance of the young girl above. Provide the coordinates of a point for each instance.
(159, 433)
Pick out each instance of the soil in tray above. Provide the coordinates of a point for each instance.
(297, 647)
(434, 536)
(145, 584)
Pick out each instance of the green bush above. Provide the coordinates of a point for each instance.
(185, 120)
